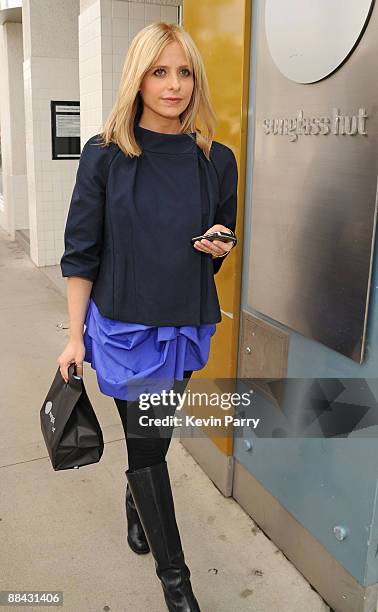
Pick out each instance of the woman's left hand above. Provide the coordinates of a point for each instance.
(214, 247)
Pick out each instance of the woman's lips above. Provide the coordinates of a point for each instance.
(172, 100)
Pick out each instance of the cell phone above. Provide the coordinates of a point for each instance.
(222, 236)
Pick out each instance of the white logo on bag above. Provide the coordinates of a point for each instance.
(48, 408)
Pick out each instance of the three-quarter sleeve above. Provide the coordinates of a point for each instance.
(227, 208)
(83, 232)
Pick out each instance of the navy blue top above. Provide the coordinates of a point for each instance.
(130, 223)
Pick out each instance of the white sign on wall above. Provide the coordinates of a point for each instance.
(308, 40)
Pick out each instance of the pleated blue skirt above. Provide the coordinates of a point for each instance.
(131, 358)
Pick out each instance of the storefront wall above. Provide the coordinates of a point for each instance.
(315, 496)
(13, 181)
(221, 31)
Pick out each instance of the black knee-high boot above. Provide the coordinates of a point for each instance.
(135, 535)
(151, 490)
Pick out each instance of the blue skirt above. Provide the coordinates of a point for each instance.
(131, 358)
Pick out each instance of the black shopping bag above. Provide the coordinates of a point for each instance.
(69, 424)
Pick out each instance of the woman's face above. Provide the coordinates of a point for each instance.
(169, 77)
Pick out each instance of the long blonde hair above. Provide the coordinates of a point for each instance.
(144, 50)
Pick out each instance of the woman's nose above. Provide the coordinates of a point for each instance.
(174, 84)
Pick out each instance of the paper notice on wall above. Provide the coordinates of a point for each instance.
(67, 125)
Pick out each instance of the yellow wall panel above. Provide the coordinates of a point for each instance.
(221, 30)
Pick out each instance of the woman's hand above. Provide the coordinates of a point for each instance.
(73, 353)
(215, 247)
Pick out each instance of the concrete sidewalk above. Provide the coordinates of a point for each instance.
(67, 530)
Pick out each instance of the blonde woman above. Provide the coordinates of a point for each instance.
(145, 292)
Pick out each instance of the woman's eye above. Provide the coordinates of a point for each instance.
(162, 70)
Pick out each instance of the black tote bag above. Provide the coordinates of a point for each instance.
(69, 424)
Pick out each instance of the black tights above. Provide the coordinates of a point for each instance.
(147, 446)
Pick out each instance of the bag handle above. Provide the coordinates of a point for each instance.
(72, 371)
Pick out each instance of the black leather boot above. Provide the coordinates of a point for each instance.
(151, 490)
(135, 534)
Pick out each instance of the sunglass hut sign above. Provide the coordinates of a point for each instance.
(338, 125)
